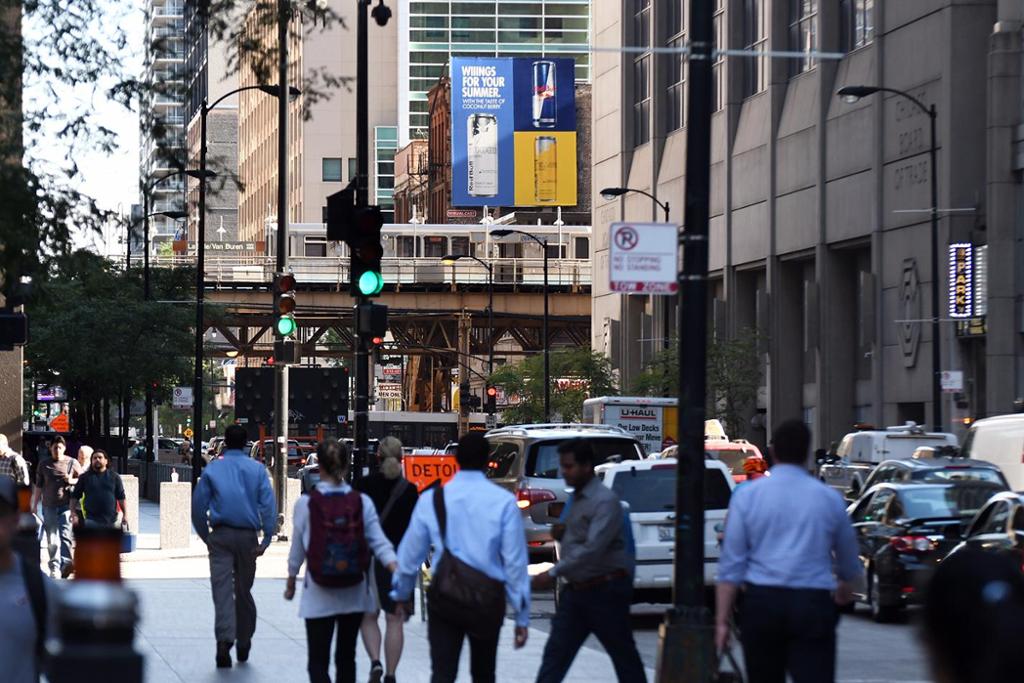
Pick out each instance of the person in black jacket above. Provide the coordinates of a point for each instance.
(395, 498)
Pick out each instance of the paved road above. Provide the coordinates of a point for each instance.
(868, 652)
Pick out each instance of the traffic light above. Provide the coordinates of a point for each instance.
(372, 322)
(492, 400)
(341, 211)
(284, 305)
(365, 276)
(13, 330)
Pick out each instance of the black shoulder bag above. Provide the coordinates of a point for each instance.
(460, 594)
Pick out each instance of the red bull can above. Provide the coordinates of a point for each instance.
(544, 109)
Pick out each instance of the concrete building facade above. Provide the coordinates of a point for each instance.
(820, 238)
(322, 136)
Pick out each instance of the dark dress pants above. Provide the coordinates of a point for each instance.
(604, 611)
(318, 641)
(788, 630)
(446, 647)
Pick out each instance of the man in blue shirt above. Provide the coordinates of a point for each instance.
(790, 547)
(484, 530)
(232, 502)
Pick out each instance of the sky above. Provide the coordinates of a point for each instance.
(111, 179)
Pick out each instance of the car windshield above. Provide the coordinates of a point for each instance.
(654, 490)
(945, 475)
(543, 459)
(732, 458)
(925, 502)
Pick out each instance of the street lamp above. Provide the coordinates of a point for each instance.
(505, 232)
(852, 93)
(611, 193)
(197, 377)
(450, 260)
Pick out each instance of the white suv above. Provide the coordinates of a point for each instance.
(648, 487)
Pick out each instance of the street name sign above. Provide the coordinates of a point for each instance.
(643, 258)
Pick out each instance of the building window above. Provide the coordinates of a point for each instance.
(676, 67)
(755, 39)
(718, 65)
(803, 33)
(332, 170)
(352, 169)
(641, 72)
(857, 23)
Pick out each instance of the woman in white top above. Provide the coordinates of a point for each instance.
(324, 608)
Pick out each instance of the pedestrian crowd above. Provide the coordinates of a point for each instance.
(789, 564)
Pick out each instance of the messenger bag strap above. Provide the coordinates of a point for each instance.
(442, 517)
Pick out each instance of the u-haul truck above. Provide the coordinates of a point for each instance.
(652, 421)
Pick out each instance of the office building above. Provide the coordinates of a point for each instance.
(322, 144)
(820, 235)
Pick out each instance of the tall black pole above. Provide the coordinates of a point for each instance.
(361, 435)
(197, 377)
(544, 340)
(150, 449)
(686, 645)
(936, 314)
(490, 319)
(281, 368)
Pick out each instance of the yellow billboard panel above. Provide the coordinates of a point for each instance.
(545, 168)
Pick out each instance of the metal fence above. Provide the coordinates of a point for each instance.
(152, 474)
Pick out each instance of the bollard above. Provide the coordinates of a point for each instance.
(175, 514)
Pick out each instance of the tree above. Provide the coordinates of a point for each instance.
(93, 333)
(733, 378)
(523, 385)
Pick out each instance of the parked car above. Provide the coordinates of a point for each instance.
(998, 528)
(935, 471)
(733, 454)
(860, 452)
(648, 487)
(524, 460)
(999, 440)
(904, 530)
(260, 448)
(309, 475)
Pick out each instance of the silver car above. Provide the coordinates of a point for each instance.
(524, 460)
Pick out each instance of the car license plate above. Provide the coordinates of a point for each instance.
(666, 533)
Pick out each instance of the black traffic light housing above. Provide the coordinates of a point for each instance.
(284, 305)
(341, 211)
(372, 320)
(13, 330)
(359, 228)
(491, 402)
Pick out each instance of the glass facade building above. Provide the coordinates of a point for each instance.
(432, 32)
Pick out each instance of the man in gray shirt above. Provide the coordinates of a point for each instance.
(597, 567)
(24, 598)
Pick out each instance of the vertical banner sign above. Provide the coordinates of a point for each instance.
(513, 132)
(961, 280)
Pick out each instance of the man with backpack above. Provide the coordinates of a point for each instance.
(596, 564)
(335, 529)
(12, 464)
(395, 499)
(24, 602)
(479, 564)
(232, 502)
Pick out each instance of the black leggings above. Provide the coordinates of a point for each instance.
(318, 641)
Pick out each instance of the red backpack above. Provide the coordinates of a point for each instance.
(338, 556)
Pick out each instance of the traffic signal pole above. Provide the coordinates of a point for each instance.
(281, 368)
(362, 351)
(686, 642)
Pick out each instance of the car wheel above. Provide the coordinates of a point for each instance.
(880, 613)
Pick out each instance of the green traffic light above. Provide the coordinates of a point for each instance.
(286, 326)
(371, 283)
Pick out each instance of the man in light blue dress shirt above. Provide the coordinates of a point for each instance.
(790, 547)
(485, 530)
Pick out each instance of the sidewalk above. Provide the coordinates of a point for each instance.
(176, 624)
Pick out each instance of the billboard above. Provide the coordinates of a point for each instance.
(513, 131)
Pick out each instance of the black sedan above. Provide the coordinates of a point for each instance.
(939, 470)
(998, 528)
(904, 530)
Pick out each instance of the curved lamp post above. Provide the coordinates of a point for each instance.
(611, 193)
(852, 93)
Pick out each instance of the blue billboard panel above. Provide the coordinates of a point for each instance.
(499, 106)
(483, 159)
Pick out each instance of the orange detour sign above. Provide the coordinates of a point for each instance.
(425, 470)
(61, 423)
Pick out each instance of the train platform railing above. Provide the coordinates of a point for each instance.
(239, 269)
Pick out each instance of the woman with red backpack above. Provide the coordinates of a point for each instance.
(335, 530)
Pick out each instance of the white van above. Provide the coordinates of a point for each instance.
(1000, 441)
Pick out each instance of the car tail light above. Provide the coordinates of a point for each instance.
(912, 544)
(527, 497)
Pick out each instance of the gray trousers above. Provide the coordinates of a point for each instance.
(57, 526)
(232, 571)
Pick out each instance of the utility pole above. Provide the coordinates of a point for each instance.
(686, 642)
(362, 351)
(281, 367)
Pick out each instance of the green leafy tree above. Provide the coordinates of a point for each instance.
(733, 378)
(523, 384)
(93, 333)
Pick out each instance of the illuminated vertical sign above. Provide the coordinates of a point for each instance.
(961, 280)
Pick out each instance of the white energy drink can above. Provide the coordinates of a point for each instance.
(545, 169)
(482, 155)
